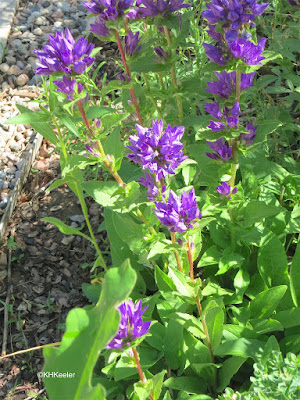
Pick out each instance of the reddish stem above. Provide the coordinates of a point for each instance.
(139, 368)
(190, 258)
(127, 70)
(179, 265)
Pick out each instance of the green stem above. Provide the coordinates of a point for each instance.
(161, 81)
(150, 95)
(79, 194)
(199, 307)
(179, 265)
(173, 74)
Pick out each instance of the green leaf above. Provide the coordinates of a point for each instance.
(92, 292)
(131, 232)
(241, 347)
(229, 260)
(272, 261)
(102, 192)
(289, 318)
(173, 345)
(87, 332)
(114, 147)
(212, 256)
(157, 381)
(241, 283)
(188, 384)
(263, 305)
(67, 230)
(262, 326)
(271, 345)
(163, 281)
(214, 317)
(69, 124)
(110, 120)
(142, 389)
(97, 111)
(295, 276)
(29, 117)
(182, 284)
(44, 129)
(229, 368)
(256, 211)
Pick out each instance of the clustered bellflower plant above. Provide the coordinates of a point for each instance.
(195, 281)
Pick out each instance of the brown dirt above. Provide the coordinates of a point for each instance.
(46, 275)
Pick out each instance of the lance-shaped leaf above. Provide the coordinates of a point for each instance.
(88, 331)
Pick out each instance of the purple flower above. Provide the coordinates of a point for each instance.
(294, 3)
(92, 150)
(214, 53)
(163, 55)
(156, 149)
(179, 213)
(226, 118)
(69, 87)
(131, 43)
(131, 325)
(225, 190)
(247, 51)
(221, 151)
(100, 28)
(152, 187)
(227, 83)
(64, 54)
(111, 8)
(153, 8)
(248, 138)
(233, 13)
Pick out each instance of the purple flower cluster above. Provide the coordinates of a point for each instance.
(106, 10)
(233, 13)
(152, 8)
(179, 213)
(131, 325)
(68, 87)
(226, 190)
(222, 151)
(248, 138)
(158, 150)
(294, 3)
(240, 48)
(226, 119)
(163, 55)
(63, 54)
(131, 43)
(226, 85)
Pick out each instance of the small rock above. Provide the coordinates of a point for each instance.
(10, 60)
(22, 80)
(70, 23)
(15, 146)
(22, 50)
(38, 32)
(41, 21)
(77, 218)
(67, 272)
(14, 70)
(20, 64)
(15, 35)
(23, 28)
(32, 61)
(94, 209)
(4, 68)
(57, 24)
(67, 239)
(16, 43)
(46, 4)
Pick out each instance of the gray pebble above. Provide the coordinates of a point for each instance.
(41, 21)
(10, 60)
(38, 31)
(22, 80)
(20, 64)
(57, 24)
(16, 43)
(15, 146)
(70, 23)
(22, 50)
(46, 3)
(23, 28)
(14, 70)
(4, 68)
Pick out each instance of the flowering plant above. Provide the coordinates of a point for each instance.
(198, 281)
